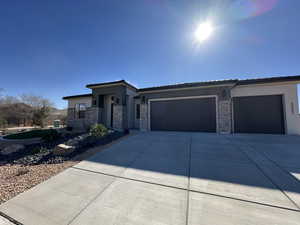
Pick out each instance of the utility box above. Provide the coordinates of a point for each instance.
(56, 123)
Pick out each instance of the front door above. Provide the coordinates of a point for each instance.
(111, 115)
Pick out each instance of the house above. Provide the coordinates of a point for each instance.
(264, 105)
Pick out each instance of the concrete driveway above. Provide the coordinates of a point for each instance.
(172, 178)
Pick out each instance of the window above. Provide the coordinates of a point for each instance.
(80, 109)
(138, 111)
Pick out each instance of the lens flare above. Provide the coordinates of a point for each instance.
(243, 9)
(203, 31)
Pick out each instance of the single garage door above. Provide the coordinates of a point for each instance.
(258, 114)
(196, 114)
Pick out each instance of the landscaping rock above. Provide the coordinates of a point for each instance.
(12, 148)
(63, 149)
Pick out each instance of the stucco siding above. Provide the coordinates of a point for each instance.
(73, 101)
(290, 101)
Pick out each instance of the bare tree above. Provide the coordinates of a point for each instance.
(41, 108)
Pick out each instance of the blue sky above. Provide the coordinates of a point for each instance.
(54, 48)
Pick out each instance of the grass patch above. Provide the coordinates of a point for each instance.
(30, 134)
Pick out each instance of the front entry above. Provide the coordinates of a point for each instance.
(112, 115)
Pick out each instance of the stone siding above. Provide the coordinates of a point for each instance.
(144, 117)
(224, 117)
(118, 117)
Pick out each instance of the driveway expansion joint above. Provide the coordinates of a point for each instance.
(264, 173)
(10, 219)
(89, 203)
(189, 181)
(188, 190)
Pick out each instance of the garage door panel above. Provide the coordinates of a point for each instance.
(258, 114)
(184, 115)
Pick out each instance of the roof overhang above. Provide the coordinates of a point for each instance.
(270, 80)
(111, 84)
(77, 96)
(188, 86)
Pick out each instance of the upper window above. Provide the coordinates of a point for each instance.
(138, 111)
(80, 109)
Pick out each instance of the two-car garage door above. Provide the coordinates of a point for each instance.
(187, 114)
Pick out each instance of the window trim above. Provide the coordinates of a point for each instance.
(79, 112)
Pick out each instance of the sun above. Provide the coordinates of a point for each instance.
(203, 31)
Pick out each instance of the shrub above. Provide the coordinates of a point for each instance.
(30, 134)
(52, 135)
(3, 123)
(69, 128)
(98, 130)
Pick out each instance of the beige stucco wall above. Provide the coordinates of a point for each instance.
(290, 97)
(73, 101)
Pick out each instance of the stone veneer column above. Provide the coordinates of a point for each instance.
(224, 120)
(118, 117)
(144, 117)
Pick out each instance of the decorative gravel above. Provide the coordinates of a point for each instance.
(21, 171)
(15, 179)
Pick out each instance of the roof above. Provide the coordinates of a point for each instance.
(193, 84)
(77, 96)
(225, 82)
(188, 85)
(120, 82)
(269, 80)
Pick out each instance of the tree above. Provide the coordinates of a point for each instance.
(3, 123)
(41, 108)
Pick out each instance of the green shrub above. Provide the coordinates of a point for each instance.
(52, 135)
(3, 123)
(69, 128)
(98, 130)
(30, 134)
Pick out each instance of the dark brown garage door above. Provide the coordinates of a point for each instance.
(258, 114)
(184, 115)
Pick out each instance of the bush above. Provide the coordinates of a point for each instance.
(98, 130)
(69, 128)
(52, 135)
(30, 134)
(3, 123)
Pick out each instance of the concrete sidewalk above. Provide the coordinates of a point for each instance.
(171, 178)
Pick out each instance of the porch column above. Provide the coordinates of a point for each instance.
(118, 117)
(224, 117)
(144, 117)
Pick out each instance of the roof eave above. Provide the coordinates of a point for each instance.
(189, 86)
(77, 96)
(109, 84)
